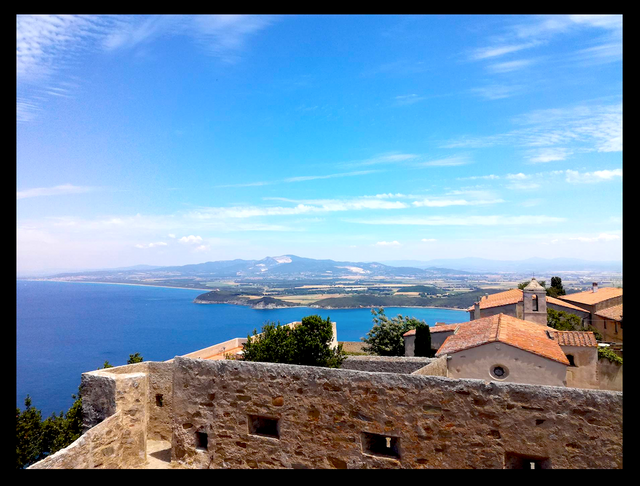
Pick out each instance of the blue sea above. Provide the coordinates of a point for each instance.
(64, 329)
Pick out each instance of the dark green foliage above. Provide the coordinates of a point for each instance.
(36, 439)
(423, 341)
(134, 358)
(556, 288)
(563, 321)
(107, 365)
(28, 435)
(385, 337)
(306, 344)
(608, 353)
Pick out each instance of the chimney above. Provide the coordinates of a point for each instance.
(594, 287)
(476, 311)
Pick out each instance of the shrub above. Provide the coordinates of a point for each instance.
(309, 344)
(385, 337)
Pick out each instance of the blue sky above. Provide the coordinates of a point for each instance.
(167, 140)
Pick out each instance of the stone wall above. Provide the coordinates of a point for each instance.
(609, 375)
(437, 367)
(115, 407)
(232, 414)
(385, 364)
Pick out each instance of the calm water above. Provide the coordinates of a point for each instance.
(64, 329)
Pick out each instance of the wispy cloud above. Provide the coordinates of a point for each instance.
(301, 179)
(488, 220)
(575, 177)
(48, 44)
(509, 66)
(445, 162)
(409, 99)
(500, 50)
(388, 243)
(554, 134)
(498, 91)
(62, 190)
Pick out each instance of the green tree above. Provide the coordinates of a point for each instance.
(108, 365)
(135, 358)
(37, 438)
(385, 337)
(422, 345)
(556, 288)
(309, 344)
(28, 435)
(563, 321)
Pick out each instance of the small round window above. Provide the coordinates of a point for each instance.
(499, 372)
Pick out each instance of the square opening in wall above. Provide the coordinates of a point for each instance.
(520, 461)
(159, 400)
(202, 441)
(265, 426)
(381, 445)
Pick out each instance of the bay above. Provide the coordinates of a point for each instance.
(64, 329)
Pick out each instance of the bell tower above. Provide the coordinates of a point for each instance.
(535, 303)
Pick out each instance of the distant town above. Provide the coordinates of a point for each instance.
(289, 280)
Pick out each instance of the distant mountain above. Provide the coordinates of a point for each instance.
(515, 266)
(285, 266)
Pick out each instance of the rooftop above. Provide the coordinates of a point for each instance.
(515, 332)
(514, 296)
(614, 313)
(574, 338)
(590, 297)
(440, 328)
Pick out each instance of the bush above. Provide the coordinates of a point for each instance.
(36, 439)
(308, 344)
(608, 353)
(385, 337)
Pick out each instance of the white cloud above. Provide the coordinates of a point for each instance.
(151, 245)
(596, 239)
(575, 177)
(445, 162)
(388, 243)
(509, 66)
(190, 239)
(554, 134)
(500, 50)
(489, 220)
(443, 202)
(428, 240)
(61, 190)
(497, 91)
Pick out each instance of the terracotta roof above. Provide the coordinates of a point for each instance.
(520, 334)
(440, 328)
(590, 297)
(507, 297)
(614, 313)
(562, 303)
(574, 338)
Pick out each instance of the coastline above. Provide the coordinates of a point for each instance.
(196, 301)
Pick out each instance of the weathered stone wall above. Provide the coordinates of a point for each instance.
(609, 375)
(324, 418)
(437, 367)
(584, 373)
(385, 364)
(116, 440)
(160, 400)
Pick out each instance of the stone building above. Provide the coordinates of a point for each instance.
(221, 414)
(522, 304)
(595, 301)
(505, 348)
(609, 323)
(374, 413)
